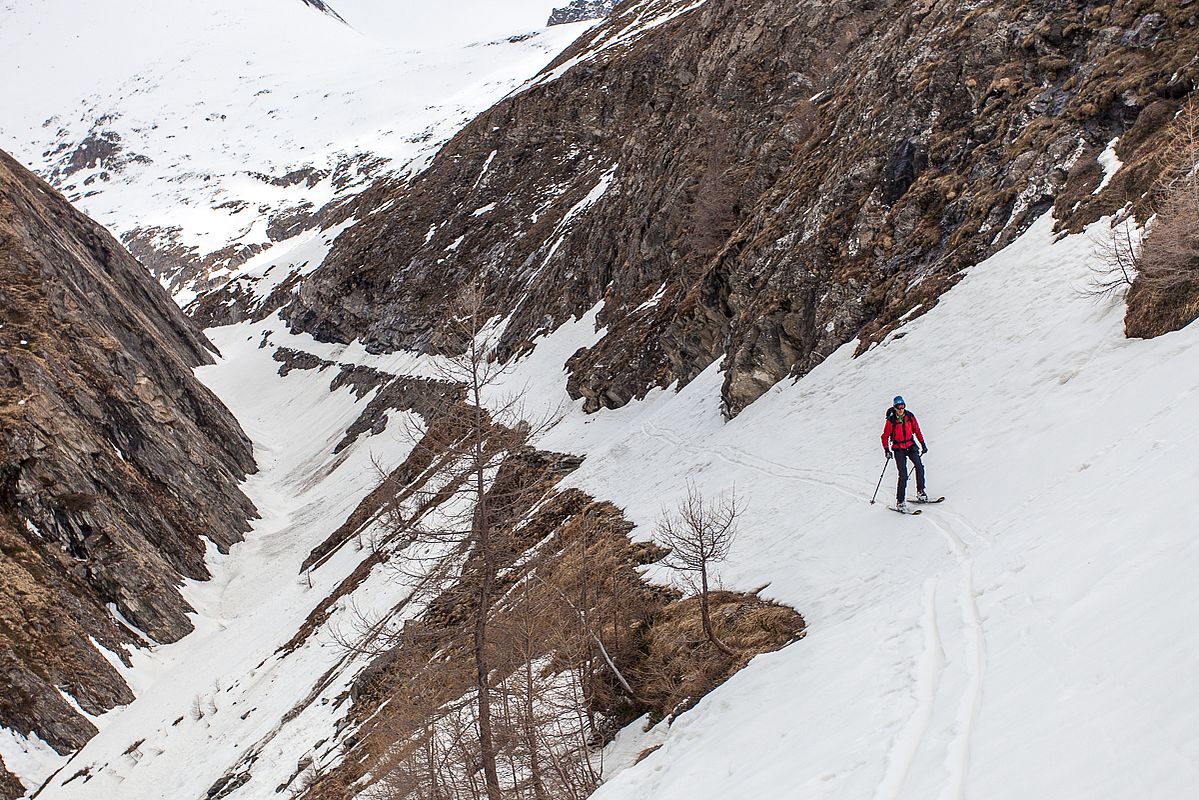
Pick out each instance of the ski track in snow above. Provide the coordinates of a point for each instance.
(928, 671)
(974, 661)
(933, 663)
(741, 458)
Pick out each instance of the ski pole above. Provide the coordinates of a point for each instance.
(880, 481)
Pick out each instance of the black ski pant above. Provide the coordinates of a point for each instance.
(901, 461)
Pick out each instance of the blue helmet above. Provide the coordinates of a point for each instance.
(898, 401)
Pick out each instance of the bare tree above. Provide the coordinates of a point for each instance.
(699, 534)
(447, 520)
(1117, 254)
(478, 452)
(492, 691)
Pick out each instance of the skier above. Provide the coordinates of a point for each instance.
(900, 435)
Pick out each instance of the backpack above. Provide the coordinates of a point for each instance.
(893, 418)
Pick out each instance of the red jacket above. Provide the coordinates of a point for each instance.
(901, 434)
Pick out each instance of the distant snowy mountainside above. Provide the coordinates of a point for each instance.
(204, 133)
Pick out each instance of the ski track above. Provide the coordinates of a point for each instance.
(918, 733)
(974, 659)
(930, 668)
(740, 458)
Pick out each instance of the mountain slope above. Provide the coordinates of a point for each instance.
(118, 467)
(758, 185)
(204, 133)
(1026, 638)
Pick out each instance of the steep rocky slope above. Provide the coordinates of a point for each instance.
(760, 184)
(118, 467)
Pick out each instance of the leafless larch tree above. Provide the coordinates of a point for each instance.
(699, 533)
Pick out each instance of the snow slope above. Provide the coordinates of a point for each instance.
(213, 101)
(1030, 637)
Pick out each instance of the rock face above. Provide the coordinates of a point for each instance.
(581, 11)
(9, 785)
(322, 6)
(758, 184)
(117, 464)
(186, 270)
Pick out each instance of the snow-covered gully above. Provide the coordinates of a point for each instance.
(990, 648)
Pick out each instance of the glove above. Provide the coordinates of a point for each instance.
(887, 453)
(923, 448)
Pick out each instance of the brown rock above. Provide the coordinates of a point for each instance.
(116, 466)
(789, 178)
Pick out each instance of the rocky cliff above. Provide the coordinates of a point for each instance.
(580, 11)
(118, 467)
(756, 184)
(322, 6)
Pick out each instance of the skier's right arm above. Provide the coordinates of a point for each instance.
(887, 429)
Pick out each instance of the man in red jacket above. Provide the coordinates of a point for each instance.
(900, 435)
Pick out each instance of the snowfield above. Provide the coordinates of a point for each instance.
(1028, 638)
(218, 107)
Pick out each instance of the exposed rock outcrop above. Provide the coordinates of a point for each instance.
(324, 7)
(580, 11)
(758, 184)
(10, 787)
(117, 467)
(102, 151)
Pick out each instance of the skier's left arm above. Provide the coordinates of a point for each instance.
(919, 435)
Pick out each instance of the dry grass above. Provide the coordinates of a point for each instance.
(678, 665)
(582, 586)
(1165, 295)
(1153, 311)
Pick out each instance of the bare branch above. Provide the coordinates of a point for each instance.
(699, 534)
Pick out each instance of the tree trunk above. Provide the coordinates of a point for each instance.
(707, 617)
(531, 735)
(485, 549)
(486, 738)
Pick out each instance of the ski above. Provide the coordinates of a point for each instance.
(928, 502)
(909, 513)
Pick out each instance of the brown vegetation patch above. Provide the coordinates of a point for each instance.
(571, 600)
(679, 665)
(1164, 295)
(1153, 311)
(573, 582)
